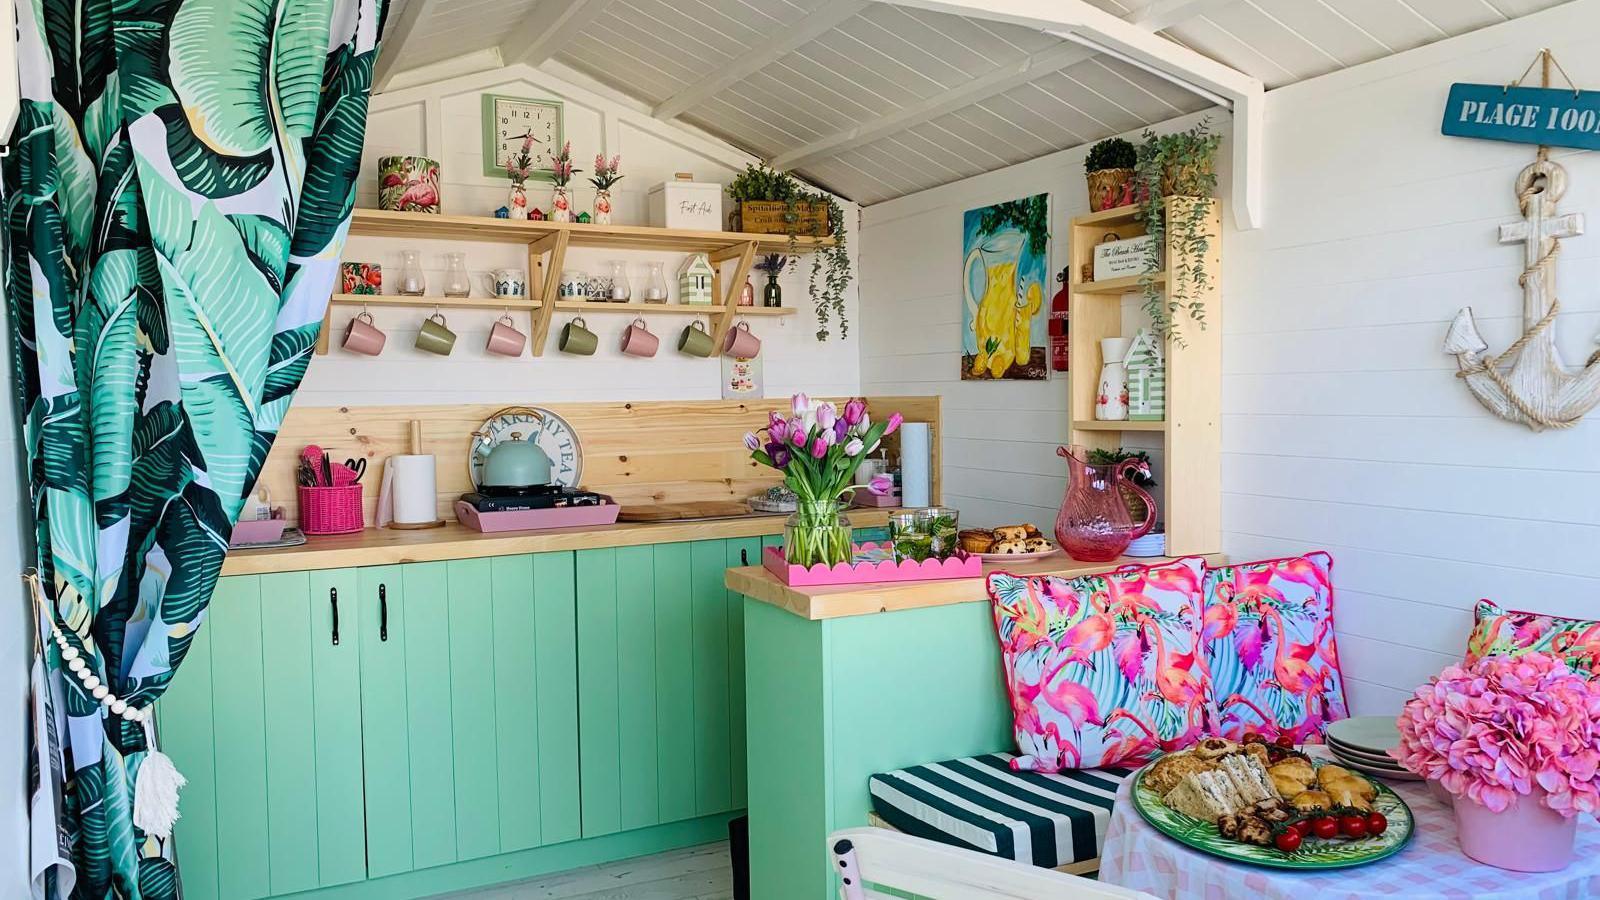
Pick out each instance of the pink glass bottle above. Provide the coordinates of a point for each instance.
(1093, 525)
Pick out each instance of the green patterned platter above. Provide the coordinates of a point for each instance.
(1314, 854)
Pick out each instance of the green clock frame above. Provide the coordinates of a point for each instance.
(490, 168)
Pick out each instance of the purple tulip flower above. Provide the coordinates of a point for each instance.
(854, 409)
(840, 429)
(894, 423)
(780, 457)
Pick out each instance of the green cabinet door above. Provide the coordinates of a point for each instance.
(265, 722)
(385, 720)
(656, 662)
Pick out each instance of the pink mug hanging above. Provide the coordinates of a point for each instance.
(741, 343)
(361, 336)
(638, 341)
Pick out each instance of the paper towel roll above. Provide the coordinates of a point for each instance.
(416, 499)
(915, 456)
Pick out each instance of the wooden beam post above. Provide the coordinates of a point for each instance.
(548, 288)
(730, 305)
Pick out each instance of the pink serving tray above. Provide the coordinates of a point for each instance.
(961, 565)
(536, 519)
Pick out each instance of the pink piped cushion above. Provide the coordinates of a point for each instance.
(1269, 644)
(1502, 632)
(1103, 670)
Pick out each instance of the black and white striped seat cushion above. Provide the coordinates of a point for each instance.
(980, 804)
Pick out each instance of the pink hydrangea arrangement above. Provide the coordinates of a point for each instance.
(1503, 726)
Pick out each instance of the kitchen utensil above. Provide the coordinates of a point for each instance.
(361, 336)
(358, 466)
(544, 428)
(326, 470)
(314, 460)
(638, 341)
(508, 283)
(505, 339)
(694, 341)
(668, 512)
(435, 336)
(515, 462)
(577, 339)
(740, 343)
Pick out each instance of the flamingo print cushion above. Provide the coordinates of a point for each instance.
(1268, 641)
(1103, 670)
(1499, 632)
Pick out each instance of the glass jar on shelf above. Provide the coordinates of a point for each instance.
(621, 291)
(456, 281)
(656, 289)
(412, 282)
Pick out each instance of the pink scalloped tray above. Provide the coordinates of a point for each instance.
(961, 565)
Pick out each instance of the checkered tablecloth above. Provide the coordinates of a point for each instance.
(1431, 866)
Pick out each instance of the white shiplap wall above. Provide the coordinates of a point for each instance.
(441, 120)
(1343, 425)
(999, 437)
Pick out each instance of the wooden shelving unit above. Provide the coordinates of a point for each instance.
(1191, 496)
(547, 244)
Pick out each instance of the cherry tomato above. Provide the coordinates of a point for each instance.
(1377, 823)
(1325, 827)
(1250, 737)
(1285, 741)
(1353, 826)
(1288, 840)
(1303, 827)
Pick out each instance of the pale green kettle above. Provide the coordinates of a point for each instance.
(516, 463)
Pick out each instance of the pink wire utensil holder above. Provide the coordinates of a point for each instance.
(331, 510)
(864, 571)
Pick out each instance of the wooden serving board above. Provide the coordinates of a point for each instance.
(671, 512)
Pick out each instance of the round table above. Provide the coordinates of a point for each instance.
(1431, 866)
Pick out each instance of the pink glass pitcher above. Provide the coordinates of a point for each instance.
(1094, 525)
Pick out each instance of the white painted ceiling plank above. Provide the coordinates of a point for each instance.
(548, 28)
(1457, 17)
(814, 25)
(1003, 138)
(842, 76)
(841, 94)
(938, 133)
(1120, 82)
(394, 42)
(952, 40)
(1079, 94)
(883, 73)
(801, 102)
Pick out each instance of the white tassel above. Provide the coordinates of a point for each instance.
(155, 793)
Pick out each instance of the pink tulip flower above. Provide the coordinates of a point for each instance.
(779, 429)
(894, 423)
(800, 404)
(854, 409)
(797, 436)
(827, 414)
(880, 485)
(819, 448)
(854, 448)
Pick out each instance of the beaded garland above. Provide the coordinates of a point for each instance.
(91, 682)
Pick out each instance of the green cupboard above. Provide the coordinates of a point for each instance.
(344, 725)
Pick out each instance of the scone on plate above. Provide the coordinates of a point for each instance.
(1311, 801)
(1010, 548)
(1011, 533)
(1037, 545)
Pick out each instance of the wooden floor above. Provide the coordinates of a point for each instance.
(697, 873)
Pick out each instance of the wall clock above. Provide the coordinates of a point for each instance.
(507, 120)
(549, 431)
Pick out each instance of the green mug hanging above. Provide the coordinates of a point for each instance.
(435, 336)
(694, 341)
(577, 339)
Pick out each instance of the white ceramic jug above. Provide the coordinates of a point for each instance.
(508, 283)
(1111, 399)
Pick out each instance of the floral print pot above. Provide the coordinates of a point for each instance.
(602, 207)
(561, 205)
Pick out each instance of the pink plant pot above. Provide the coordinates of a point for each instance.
(1526, 837)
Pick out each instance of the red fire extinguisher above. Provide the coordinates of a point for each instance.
(1058, 324)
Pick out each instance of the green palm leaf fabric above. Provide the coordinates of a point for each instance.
(177, 196)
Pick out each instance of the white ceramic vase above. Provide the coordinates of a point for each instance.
(517, 202)
(1111, 400)
(561, 205)
(602, 207)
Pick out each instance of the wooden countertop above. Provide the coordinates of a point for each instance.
(382, 546)
(834, 601)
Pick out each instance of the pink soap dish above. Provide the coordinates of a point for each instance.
(868, 571)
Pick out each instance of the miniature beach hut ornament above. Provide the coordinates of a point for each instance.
(694, 280)
(1536, 390)
(1146, 365)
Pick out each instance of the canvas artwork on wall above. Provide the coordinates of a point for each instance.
(1006, 254)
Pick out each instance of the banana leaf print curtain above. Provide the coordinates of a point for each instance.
(177, 194)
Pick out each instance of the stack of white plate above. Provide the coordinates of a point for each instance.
(1363, 744)
(1152, 544)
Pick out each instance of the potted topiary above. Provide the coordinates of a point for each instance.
(1109, 170)
(766, 201)
(1181, 165)
(1142, 478)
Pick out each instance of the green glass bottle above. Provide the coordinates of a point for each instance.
(772, 294)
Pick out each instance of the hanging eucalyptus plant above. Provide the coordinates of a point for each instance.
(830, 265)
(1181, 164)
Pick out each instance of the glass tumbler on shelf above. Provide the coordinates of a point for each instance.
(621, 292)
(412, 282)
(817, 533)
(456, 281)
(942, 525)
(656, 289)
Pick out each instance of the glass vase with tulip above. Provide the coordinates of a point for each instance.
(818, 448)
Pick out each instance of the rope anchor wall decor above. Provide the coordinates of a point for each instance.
(1529, 383)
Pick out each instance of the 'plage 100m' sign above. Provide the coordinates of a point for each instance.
(1525, 115)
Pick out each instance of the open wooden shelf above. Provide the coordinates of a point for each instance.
(547, 244)
(423, 226)
(1128, 284)
(1097, 425)
(1117, 215)
(573, 306)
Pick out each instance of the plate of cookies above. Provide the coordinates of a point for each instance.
(1007, 543)
(1271, 805)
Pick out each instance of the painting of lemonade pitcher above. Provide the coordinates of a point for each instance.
(1006, 253)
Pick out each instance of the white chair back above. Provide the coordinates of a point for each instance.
(893, 860)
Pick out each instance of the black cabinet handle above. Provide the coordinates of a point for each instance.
(383, 612)
(744, 556)
(333, 601)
